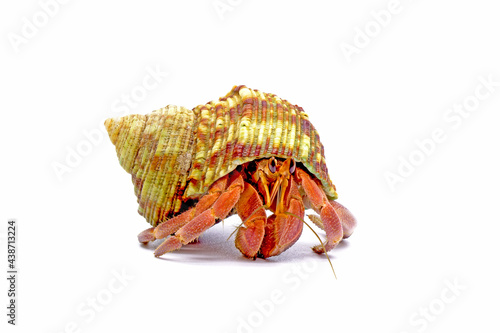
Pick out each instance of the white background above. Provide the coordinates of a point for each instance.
(436, 227)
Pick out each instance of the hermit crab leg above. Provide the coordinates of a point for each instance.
(170, 226)
(194, 228)
(147, 235)
(329, 218)
(347, 220)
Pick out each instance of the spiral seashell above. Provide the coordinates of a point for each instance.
(174, 154)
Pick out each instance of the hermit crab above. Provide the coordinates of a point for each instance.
(245, 153)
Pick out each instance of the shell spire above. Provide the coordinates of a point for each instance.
(156, 149)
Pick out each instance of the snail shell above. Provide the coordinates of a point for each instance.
(175, 154)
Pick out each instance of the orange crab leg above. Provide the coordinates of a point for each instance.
(194, 228)
(329, 217)
(147, 235)
(346, 218)
(170, 226)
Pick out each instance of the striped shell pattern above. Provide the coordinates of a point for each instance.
(175, 154)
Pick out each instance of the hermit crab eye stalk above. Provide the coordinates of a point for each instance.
(292, 167)
(272, 165)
